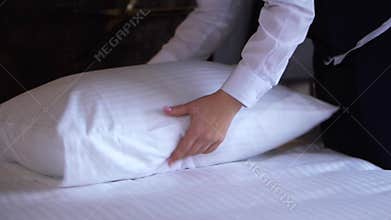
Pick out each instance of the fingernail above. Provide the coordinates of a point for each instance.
(167, 109)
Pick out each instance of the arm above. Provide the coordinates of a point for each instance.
(201, 32)
(283, 25)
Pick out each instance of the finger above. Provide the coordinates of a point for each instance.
(182, 148)
(212, 147)
(177, 111)
(205, 148)
(198, 147)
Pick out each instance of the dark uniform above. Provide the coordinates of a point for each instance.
(361, 84)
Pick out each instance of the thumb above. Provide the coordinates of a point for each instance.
(177, 111)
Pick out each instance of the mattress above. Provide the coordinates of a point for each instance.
(293, 182)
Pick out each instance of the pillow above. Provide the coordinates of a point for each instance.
(108, 125)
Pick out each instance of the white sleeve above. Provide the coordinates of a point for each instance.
(201, 32)
(283, 25)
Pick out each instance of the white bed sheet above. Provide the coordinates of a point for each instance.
(284, 184)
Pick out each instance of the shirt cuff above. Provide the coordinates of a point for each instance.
(245, 86)
(162, 57)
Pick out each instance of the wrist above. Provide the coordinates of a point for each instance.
(233, 103)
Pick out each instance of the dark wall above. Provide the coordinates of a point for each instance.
(43, 40)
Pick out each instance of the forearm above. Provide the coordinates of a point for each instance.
(201, 32)
(283, 25)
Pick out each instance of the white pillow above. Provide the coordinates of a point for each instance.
(108, 125)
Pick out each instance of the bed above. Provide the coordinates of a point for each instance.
(293, 182)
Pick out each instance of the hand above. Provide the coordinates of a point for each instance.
(210, 118)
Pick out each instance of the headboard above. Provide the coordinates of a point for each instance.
(44, 40)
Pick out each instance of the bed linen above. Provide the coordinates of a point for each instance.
(108, 125)
(284, 184)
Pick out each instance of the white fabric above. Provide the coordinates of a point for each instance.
(283, 25)
(109, 125)
(321, 185)
(336, 60)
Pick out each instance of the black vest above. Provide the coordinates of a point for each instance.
(340, 24)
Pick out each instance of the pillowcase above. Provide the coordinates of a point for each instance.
(109, 125)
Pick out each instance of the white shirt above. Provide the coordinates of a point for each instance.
(283, 25)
